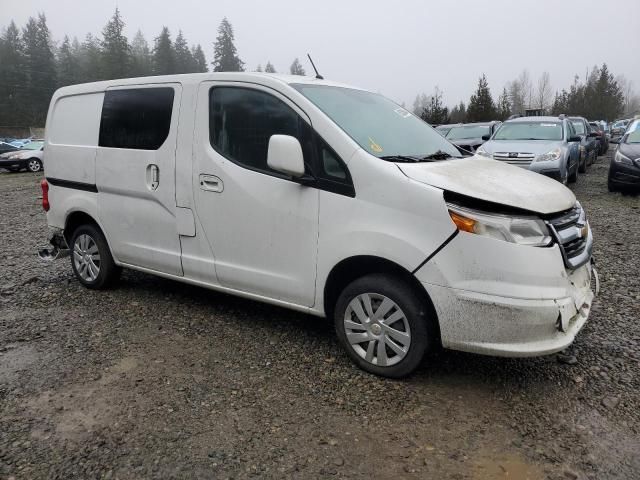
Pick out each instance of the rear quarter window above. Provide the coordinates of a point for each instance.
(136, 118)
(76, 120)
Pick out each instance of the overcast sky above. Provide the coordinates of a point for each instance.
(399, 47)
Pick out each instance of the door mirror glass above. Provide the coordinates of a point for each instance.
(486, 137)
(285, 155)
(575, 138)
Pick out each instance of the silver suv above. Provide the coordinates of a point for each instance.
(547, 145)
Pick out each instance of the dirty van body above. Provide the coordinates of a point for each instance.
(320, 197)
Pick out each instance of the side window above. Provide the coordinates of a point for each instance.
(241, 122)
(570, 131)
(137, 118)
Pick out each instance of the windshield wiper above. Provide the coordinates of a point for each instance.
(438, 155)
(400, 158)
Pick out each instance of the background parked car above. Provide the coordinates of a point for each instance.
(588, 142)
(617, 129)
(7, 147)
(547, 145)
(444, 129)
(29, 157)
(624, 170)
(603, 140)
(470, 136)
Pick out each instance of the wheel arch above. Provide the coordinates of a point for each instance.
(352, 268)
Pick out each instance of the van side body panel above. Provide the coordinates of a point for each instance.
(380, 221)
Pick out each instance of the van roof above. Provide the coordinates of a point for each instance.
(196, 78)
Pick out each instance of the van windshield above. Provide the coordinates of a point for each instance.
(378, 125)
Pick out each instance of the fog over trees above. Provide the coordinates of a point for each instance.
(33, 64)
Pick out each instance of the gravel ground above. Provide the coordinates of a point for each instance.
(156, 379)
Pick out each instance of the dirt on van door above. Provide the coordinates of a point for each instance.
(156, 379)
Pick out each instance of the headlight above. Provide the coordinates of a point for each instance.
(482, 152)
(620, 158)
(523, 230)
(554, 154)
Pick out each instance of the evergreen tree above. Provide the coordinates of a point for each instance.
(600, 97)
(12, 77)
(141, 60)
(225, 56)
(90, 58)
(163, 54)
(40, 69)
(608, 98)
(270, 68)
(116, 53)
(458, 113)
(259, 68)
(199, 60)
(435, 113)
(481, 107)
(68, 64)
(504, 106)
(184, 61)
(296, 68)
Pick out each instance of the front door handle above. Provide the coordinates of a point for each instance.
(211, 183)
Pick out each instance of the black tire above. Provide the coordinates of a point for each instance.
(573, 177)
(108, 271)
(34, 165)
(422, 324)
(582, 164)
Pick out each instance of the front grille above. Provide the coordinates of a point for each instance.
(571, 230)
(515, 158)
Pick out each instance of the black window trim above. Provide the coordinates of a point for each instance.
(344, 187)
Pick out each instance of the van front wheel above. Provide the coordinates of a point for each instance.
(384, 325)
(91, 258)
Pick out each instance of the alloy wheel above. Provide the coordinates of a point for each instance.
(377, 329)
(34, 165)
(86, 258)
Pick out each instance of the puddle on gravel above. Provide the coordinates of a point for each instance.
(15, 358)
(507, 467)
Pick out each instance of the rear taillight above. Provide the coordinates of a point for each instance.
(45, 195)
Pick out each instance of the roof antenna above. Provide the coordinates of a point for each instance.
(318, 76)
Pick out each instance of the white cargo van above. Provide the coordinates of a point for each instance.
(320, 197)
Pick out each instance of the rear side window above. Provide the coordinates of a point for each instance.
(137, 118)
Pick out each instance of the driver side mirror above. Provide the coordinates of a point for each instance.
(486, 137)
(575, 138)
(593, 134)
(285, 155)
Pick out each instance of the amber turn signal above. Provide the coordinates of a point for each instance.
(463, 223)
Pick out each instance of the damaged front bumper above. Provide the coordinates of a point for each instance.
(516, 327)
(57, 247)
(503, 299)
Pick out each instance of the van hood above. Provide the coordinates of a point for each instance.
(494, 181)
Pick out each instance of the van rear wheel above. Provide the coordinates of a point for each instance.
(91, 258)
(384, 325)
